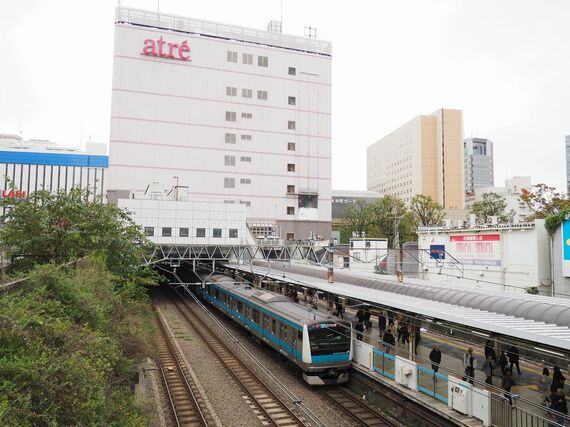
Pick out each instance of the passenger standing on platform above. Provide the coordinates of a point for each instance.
(506, 384)
(544, 385)
(435, 357)
(559, 404)
(557, 380)
(503, 362)
(469, 364)
(390, 319)
(360, 315)
(488, 369)
(389, 339)
(367, 315)
(514, 358)
(339, 308)
(417, 338)
(490, 351)
(381, 324)
(359, 328)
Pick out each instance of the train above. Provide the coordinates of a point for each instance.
(321, 347)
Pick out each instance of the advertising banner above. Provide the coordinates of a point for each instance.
(437, 252)
(566, 248)
(477, 249)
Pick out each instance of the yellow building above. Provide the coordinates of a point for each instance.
(424, 156)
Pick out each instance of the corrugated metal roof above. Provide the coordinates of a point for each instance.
(519, 316)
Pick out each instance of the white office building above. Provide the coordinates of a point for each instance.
(225, 114)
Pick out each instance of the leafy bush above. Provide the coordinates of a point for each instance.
(69, 342)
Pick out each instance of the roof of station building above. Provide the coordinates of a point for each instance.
(533, 318)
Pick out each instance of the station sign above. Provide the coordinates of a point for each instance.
(437, 252)
(164, 49)
(566, 248)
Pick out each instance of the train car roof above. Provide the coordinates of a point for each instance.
(281, 304)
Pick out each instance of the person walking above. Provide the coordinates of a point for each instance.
(513, 354)
(469, 365)
(488, 369)
(435, 357)
(381, 324)
(503, 362)
(559, 405)
(544, 386)
(557, 380)
(359, 329)
(389, 340)
(507, 384)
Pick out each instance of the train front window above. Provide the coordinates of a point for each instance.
(329, 338)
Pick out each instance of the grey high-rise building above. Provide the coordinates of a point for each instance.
(568, 164)
(478, 164)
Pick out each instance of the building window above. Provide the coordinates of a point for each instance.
(246, 93)
(200, 232)
(231, 91)
(247, 58)
(232, 56)
(229, 183)
(217, 232)
(245, 159)
(291, 100)
(233, 233)
(292, 71)
(230, 116)
(245, 181)
(290, 210)
(291, 146)
(262, 94)
(245, 137)
(230, 160)
(263, 61)
(166, 231)
(290, 236)
(290, 189)
(230, 138)
(149, 231)
(290, 167)
(184, 232)
(291, 125)
(246, 115)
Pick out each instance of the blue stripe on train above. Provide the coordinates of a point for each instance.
(327, 358)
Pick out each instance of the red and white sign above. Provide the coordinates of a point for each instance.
(477, 249)
(163, 49)
(13, 195)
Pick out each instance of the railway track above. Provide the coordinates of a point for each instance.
(181, 390)
(360, 412)
(269, 408)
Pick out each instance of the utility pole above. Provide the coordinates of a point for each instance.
(396, 242)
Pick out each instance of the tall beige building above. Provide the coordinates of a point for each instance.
(424, 156)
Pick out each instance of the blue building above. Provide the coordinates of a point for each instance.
(32, 165)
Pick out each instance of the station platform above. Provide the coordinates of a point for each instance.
(527, 401)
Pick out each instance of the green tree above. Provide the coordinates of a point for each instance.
(65, 227)
(493, 204)
(356, 218)
(544, 200)
(425, 212)
(388, 212)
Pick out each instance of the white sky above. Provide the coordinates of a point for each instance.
(505, 63)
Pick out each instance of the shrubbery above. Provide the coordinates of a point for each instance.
(68, 345)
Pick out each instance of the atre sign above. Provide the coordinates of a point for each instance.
(171, 50)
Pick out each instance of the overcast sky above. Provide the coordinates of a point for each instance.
(506, 64)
